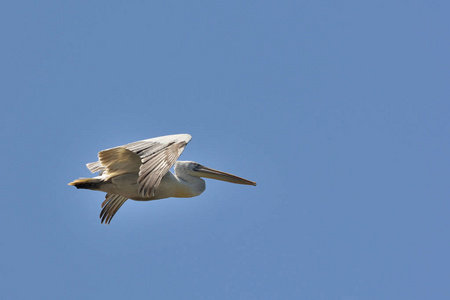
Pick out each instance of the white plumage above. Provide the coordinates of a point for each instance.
(141, 171)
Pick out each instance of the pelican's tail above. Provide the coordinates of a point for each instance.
(87, 183)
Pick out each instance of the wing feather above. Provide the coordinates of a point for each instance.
(119, 161)
(95, 166)
(110, 207)
(155, 166)
(158, 155)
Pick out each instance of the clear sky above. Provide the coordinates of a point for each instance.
(339, 110)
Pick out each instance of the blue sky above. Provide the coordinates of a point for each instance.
(338, 110)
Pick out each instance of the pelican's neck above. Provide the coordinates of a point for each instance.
(182, 185)
(191, 184)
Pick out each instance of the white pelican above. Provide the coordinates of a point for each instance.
(140, 171)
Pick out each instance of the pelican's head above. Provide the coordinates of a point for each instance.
(197, 170)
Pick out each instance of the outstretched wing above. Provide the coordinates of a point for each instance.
(110, 206)
(157, 156)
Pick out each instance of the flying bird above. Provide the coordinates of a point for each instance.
(141, 171)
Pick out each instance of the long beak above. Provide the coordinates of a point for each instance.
(219, 175)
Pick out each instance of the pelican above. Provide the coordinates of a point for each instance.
(141, 171)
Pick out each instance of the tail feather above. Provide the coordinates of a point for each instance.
(87, 183)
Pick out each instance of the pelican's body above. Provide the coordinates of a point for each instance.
(172, 185)
(140, 171)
